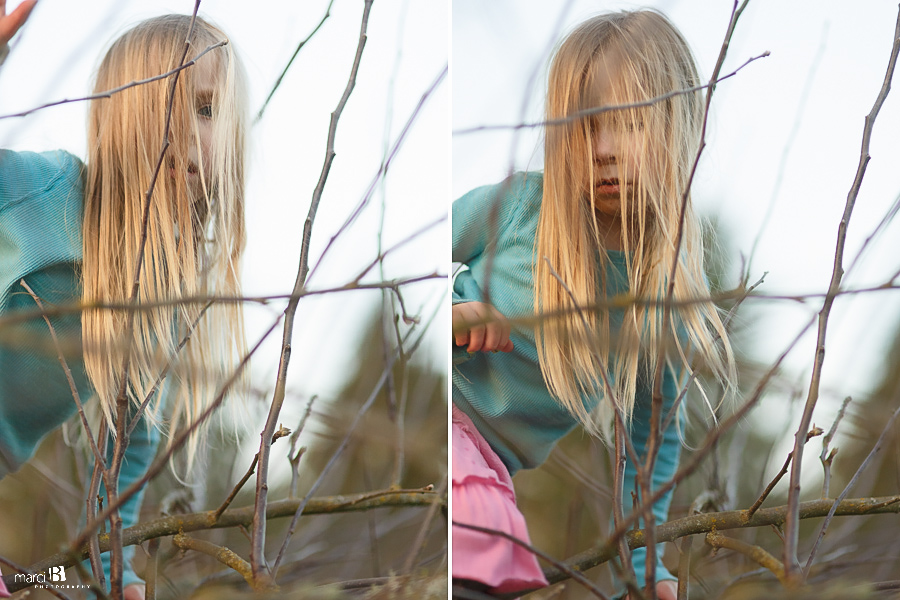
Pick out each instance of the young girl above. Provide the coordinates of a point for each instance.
(604, 215)
(72, 233)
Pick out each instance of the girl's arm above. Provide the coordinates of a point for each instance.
(10, 24)
(479, 217)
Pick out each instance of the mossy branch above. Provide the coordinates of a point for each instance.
(224, 555)
(235, 517)
(735, 519)
(755, 553)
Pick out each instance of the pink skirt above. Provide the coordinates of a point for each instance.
(4, 592)
(483, 495)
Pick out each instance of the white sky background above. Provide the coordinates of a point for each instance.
(59, 49)
(498, 45)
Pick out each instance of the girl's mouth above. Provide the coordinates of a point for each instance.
(608, 186)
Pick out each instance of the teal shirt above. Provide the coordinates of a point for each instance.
(504, 393)
(41, 211)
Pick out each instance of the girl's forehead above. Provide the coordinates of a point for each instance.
(605, 81)
(206, 71)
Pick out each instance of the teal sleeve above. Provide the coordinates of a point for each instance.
(478, 217)
(138, 457)
(666, 466)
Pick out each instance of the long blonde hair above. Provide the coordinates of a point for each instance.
(615, 59)
(195, 234)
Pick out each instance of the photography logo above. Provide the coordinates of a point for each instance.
(54, 577)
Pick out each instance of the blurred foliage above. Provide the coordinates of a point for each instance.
(43, 501)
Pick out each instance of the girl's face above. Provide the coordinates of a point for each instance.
(617, 139)
(617, 153)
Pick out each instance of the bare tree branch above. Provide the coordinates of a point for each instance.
(257, 560)
(862, 467)
(121, 88)
(755, 553)
(792, 525)
(224, 555)
(604, 109)
(243, 516)
(262, 109)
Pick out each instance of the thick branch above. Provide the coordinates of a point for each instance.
(235, 517)
(224, 555)
(754, 553)
(735, 519)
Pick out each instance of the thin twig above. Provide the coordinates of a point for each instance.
(573, 573)
(331, 462)
(862, 467)
(165, 371)
(295, 454)
(151, 572)
(111, 475)
(789, 143)
(826, 441)
(257, 547)
(21, 316)
(237, 488)
(93, 496)
(604, 109)
(121, 88)
(684, 567)
(71, 381)
(815, 431)
(383, 168)
(622, 443)
(262, 109)
(419, 542)
(792, 525)
(160, 463)
(655, 438)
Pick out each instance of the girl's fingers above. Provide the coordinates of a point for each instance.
(491, 337)
(476, 338)
(9, 25)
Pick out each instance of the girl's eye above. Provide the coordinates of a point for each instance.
(205, 111)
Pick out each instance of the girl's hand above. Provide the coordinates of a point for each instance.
(665, 590)
(135, 591)
(481, 326)
(10, 24)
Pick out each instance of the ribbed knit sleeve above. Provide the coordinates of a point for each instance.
(40, 243)
(41, 214)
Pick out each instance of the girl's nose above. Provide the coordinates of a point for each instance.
(604, 144)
